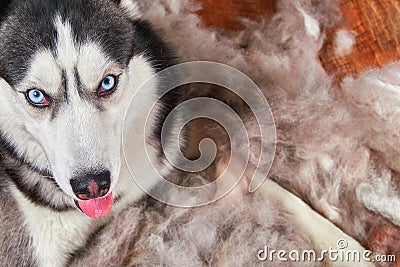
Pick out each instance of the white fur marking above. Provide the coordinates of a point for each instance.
(45, 78)
(55, 235)
(66, 51)
(93, 65)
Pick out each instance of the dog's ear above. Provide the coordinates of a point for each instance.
(4, 7)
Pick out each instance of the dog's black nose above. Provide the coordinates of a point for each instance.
(91, 185)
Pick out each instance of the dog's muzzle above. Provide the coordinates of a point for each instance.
(92, 189)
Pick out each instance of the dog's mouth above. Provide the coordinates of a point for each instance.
(96, 207)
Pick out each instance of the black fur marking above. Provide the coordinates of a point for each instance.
(22, 33)
(33, 192)
(85, 95)
(117, 1)
(109, 28)
(147, 42)
(16, 168)
(31, 28)
(6, 149)
(57, 103)
(65, 86)
(4, 4)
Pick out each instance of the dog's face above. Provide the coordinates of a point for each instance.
(69, 70)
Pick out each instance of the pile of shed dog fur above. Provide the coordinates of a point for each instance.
(338, 147)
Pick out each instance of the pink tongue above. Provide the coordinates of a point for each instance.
(97, 207)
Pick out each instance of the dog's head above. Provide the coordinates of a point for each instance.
(69, 70)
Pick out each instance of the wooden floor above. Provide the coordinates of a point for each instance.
(225, 14)
(375, 22)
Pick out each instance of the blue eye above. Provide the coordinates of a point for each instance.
(107, 85)
(36, 97)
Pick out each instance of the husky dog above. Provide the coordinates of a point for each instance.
(68, 70)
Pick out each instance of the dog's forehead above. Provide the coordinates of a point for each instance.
(34, 26)
(49, 72)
